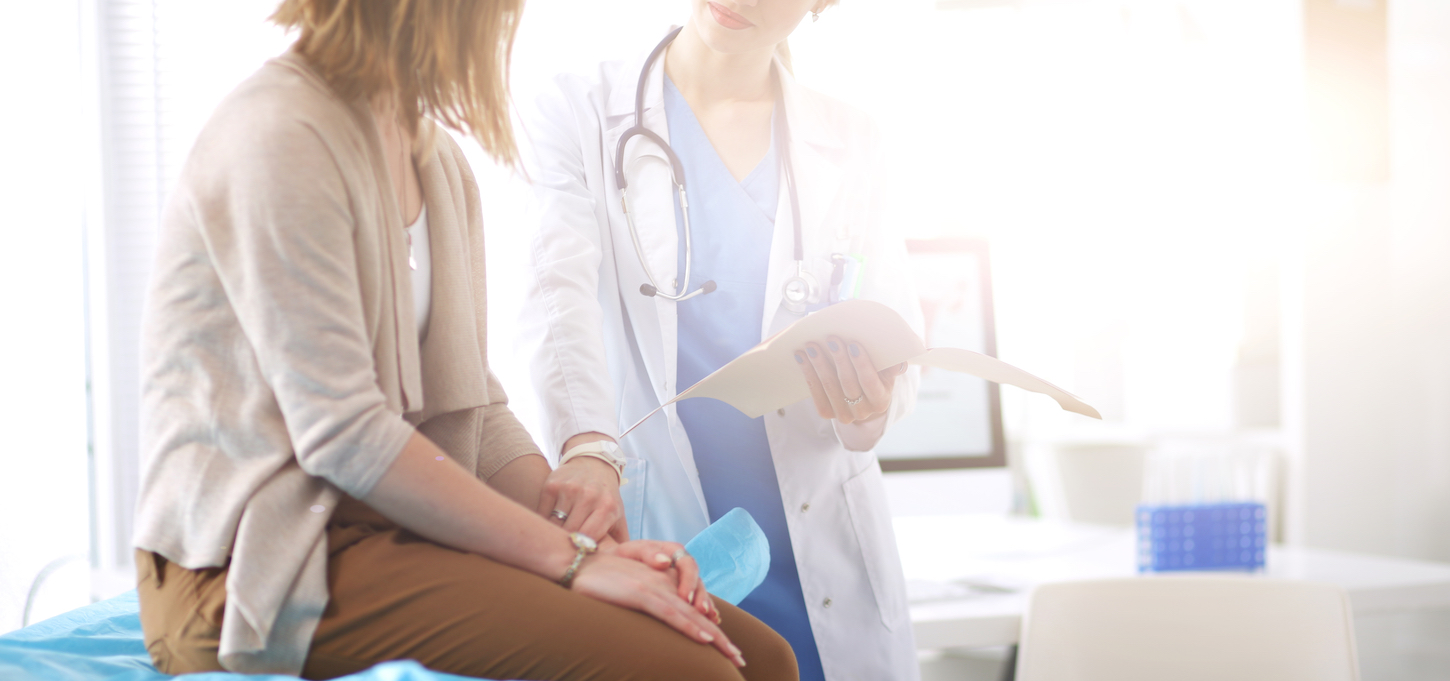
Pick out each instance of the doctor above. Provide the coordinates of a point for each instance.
(695, 201)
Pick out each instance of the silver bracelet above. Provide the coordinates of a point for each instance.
(584, 546)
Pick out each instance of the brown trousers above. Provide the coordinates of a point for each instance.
(395, 595)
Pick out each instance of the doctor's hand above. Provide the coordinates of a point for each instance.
(844, 384)
(586, 492)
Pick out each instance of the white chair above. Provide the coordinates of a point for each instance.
(1188, 628)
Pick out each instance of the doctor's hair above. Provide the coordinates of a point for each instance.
(444, 59)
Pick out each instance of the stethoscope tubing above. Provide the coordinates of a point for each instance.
(679, 290)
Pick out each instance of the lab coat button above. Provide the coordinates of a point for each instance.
(826, 603)
(781, 411)
(805, 507)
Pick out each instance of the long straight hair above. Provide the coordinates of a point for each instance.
(444, 59)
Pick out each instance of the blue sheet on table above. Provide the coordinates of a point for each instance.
(103, 640)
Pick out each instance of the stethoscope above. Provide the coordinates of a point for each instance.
(799, 290)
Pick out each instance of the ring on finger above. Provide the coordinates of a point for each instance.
(561, 515)
(677, 555)
(856, 401)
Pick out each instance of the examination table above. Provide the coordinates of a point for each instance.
(103, 640)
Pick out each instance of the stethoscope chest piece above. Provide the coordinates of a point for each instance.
(799, 292)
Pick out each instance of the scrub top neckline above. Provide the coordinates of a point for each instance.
(752, 178)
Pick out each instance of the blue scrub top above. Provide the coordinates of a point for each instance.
(732, 224)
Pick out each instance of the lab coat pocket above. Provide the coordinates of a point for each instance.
(636, 475)
(871, 519)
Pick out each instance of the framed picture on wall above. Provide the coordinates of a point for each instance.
(957, 422)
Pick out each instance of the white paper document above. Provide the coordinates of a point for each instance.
(767, 376)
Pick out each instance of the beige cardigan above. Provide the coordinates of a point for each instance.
(281, 366)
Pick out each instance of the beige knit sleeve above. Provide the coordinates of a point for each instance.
(484, 439)
(504, 437)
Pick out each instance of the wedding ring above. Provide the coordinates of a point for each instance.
(677, 555)
(562, 516)
(856, 401)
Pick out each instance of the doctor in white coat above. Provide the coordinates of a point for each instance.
(781, 211)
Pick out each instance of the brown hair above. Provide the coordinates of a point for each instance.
(445, 59)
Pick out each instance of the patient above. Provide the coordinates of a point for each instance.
(334, 478)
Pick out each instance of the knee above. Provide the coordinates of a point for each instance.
(769, 657)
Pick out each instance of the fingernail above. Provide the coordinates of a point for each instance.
(734, 650)
(706, 637)
(799, 358)
(662, 558)
(834, 346)
(855, 350)
(739, 661)
(812, 351)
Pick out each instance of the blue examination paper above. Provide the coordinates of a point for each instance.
(103, 640)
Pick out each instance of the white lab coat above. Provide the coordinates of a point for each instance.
(602, 355)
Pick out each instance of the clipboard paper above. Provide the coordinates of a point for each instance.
(767, 376)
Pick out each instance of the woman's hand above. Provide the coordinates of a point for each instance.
(685, 571)
(618, 579)
(844, 384)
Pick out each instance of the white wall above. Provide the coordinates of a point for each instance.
(1372, 292)
(1368, 396)
(43, 494)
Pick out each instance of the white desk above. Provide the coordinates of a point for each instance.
(968, 576)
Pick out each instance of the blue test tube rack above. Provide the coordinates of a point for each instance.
(1225, 536)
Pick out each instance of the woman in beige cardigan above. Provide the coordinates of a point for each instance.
(334, 478)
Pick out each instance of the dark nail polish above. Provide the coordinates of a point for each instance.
(812, 351)
(799, 358)
(855, 350)
(834, 347)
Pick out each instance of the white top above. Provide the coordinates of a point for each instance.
(421, 261)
